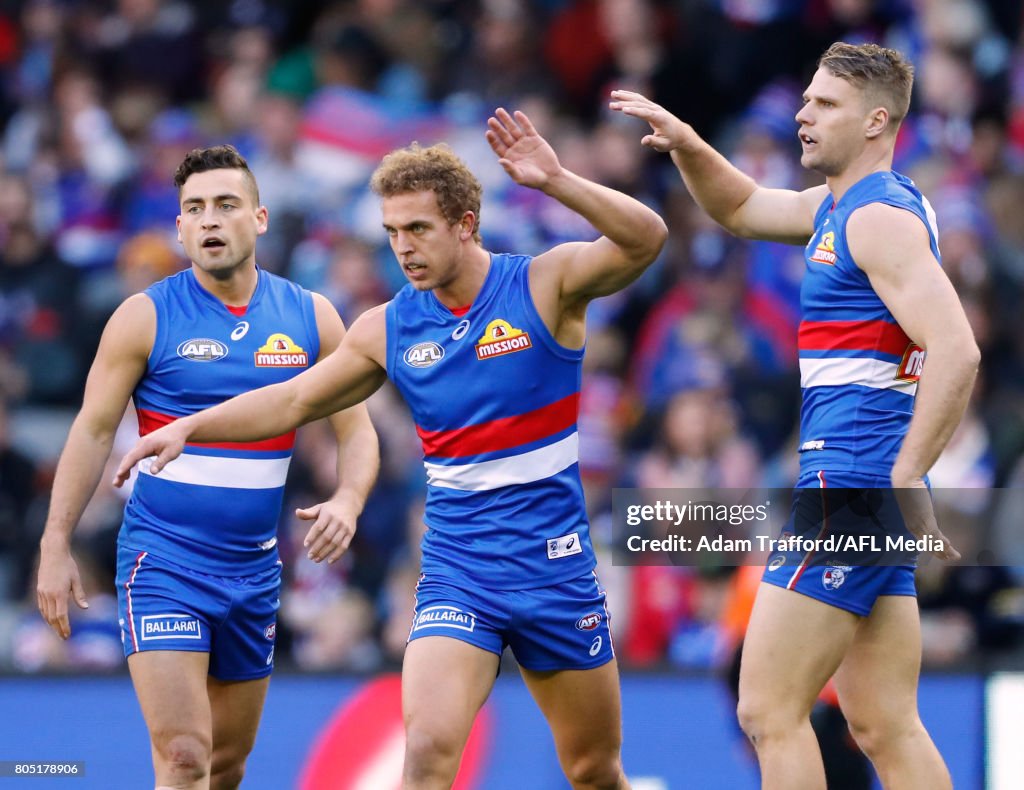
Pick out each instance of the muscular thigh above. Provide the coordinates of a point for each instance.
(236, 707)
(582, 707)
(793, 645)
(445, 681)
(171, 688)
(879, 674)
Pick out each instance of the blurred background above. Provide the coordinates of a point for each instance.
(691, 374)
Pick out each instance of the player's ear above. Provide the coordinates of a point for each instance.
(177, 225)
(877, 123)
(262, 220)
(466, 225)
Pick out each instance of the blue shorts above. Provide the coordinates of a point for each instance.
(854, 509)
(166, 606)
(564, 626)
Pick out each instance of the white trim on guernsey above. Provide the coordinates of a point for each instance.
(836, 371)
(515, 470)
(205, 470)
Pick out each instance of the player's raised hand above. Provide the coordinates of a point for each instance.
(526, 156)
(165, 444)
(667, 131)
(58, 578)
(334, 525)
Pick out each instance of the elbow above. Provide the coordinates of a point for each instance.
(651, 241)
(968, 352)
(972, 356)
(973, 352)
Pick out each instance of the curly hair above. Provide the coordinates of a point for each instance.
(885, 75)
(218, 157)
(437, 169)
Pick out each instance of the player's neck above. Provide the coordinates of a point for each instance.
(465, 286)
(870, 161)
(236, 289)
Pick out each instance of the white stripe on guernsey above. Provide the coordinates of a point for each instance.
(517, 469)
(837, 371)
(128, 592)
(205, 470)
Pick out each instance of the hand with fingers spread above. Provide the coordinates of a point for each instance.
(334, 526)
(165, 444)
(668, 132)
(526, 156)
(58, 578)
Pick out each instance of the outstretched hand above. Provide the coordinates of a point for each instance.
(526, 156)
(667, 131)
(166, 444)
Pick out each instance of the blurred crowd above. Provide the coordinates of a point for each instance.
(691, 374)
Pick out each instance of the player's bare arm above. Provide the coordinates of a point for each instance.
(119, 364)
(334, 521)
(891, 246)
(349, 375)
(570, 275)
(730, 197)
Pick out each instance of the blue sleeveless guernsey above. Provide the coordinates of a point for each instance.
(495, 400)
(858, 369)
(216, 507)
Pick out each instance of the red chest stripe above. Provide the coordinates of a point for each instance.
(502, 433)
(149, 421)
(853, 335)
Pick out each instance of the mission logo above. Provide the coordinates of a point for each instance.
(280, 351)
(501, 338)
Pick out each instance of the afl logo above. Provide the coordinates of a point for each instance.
(423, 355)
(202, 349)
(270, 631)
(589, 622)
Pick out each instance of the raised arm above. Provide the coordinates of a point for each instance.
(349, 375)
(119, 364)
(334, 521)
(891, 246)
(632, 234)
(730, 197)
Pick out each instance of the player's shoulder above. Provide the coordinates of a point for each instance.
(881, 218)
(132, 326)
(368, 332)
(136, 308)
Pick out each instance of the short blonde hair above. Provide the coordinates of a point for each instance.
(437, 169)
(883, 74)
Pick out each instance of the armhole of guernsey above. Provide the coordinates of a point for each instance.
(156, 296)
(309, 317)
(556, 348)
(390, 338)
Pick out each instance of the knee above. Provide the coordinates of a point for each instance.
(877, 732)
(595, 769)
(431, 752)
(186, 756)
(761, 718)
(228, 769)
